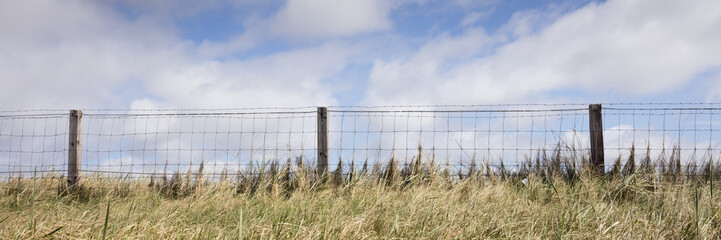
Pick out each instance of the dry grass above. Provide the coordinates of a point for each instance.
(421, 202)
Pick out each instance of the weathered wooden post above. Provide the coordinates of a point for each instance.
(322, 141)
(596, 129)
(74, 148)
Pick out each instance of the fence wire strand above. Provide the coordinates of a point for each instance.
(153, 142)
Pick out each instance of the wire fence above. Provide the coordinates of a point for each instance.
(455, 136)
(681, 134)
(33, 141)
(148, 142)
(162, 142)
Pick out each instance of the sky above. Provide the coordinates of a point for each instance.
(284, 53)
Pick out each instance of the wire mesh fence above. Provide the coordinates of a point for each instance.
(153, 143)
(141, 143)
(33, 141)
(682, 137)
(456, 137)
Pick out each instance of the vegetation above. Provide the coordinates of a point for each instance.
(548, 197)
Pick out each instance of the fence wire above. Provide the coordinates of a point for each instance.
(222, 142)
(34, 142)
(150, 142)
(685, 135)
(455, 137)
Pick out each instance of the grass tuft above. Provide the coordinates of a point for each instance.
(553, 194)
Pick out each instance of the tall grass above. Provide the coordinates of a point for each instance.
(553, 194)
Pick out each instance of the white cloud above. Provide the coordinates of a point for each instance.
(58, 54)
(70, 55)
(633, 47)
(415, 79)
(105, 59)
(714, 90)
(472, 18)
(331, 18)
(283, 79)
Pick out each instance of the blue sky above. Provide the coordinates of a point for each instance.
(223, 53)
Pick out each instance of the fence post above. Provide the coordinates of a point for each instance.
(322, 141)
(74, 148)
(596, 129)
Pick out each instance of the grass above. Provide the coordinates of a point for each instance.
(549, 198)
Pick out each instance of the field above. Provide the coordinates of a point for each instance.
(420, 202)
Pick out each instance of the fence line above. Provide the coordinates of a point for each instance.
(150, 142)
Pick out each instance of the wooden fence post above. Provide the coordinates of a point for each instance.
(74, 148)
(322, 141)
(595, 125)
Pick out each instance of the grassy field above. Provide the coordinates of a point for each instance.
(418, 203)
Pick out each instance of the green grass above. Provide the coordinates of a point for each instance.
(421, 202)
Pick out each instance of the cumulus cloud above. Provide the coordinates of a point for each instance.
(331, 18)
(66, 53)
(416, 78)
(632, 47)
(282, 79)
(71, 55)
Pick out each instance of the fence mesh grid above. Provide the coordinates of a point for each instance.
(136, 143)
(681, 134)
(457, 137)
(33, 142)
(223, 142)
